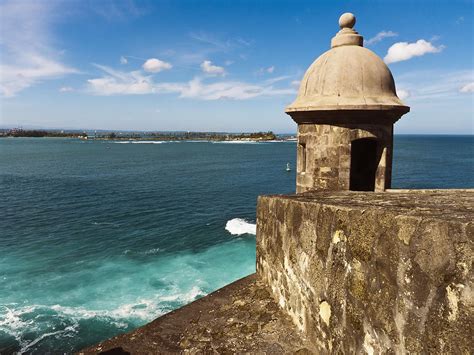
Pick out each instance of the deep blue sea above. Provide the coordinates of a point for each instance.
(100, 237)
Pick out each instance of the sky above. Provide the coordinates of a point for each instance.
(220, 65)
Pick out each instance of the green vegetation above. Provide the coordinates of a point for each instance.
(162, 136)
(18, 132)
(181, 136)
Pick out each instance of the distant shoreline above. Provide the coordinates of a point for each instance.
(149, 136)
(174, 135)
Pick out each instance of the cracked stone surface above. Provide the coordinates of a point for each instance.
(239, 318)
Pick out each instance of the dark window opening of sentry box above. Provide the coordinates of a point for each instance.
(302, 157)
(363, 164)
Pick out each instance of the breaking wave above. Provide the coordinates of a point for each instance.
(236, 142)
(139, 142)
(33, 324)
(239, 226)
(152, 251)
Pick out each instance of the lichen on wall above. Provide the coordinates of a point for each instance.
(372, 272)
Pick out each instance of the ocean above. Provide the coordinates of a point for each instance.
(100, 237)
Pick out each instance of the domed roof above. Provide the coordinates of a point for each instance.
(347, 77)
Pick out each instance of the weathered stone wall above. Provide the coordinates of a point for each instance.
(324, 154)
(372, 272)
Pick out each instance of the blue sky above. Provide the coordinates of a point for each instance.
(220, 65)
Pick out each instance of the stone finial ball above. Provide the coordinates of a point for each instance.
(347, 20)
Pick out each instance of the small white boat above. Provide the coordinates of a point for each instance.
(288, 167)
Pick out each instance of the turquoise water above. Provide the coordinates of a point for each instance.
(97, 238)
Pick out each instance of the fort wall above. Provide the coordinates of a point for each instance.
(372, 272)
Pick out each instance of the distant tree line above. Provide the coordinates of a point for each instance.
(166, 136)
(178, 136)
(212, 136)
(17, 132)
(259, 135)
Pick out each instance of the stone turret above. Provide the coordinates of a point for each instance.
(345, 111)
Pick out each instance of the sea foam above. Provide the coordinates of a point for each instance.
(64, 332)
(239, 226)
(139, 142)
(236, 142)
(31, 325)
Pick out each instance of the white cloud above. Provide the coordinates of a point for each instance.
(243, 42)
(219, 44)
(209, 39)
(123, 60)
(403, 94)
(380, 36)
(66, 89)
(267, 70)
(467, 88)
(108, 86)
(436, 84)
(115, 82)
(277, 79)
(234, 90)
(205, 45)
(27, 55)
(209, 68)
(120, 83)
(15, 78)
(296, 83)
(403, 50)
(154, 65)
